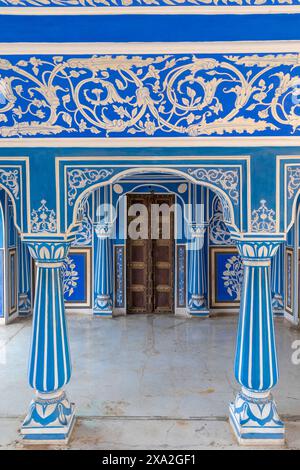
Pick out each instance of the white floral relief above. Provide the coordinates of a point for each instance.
(70, 276)
(43, 219)
(263, 219)
(233, 276)
(218, 232)
(149, 95)
(79, 178)
(84, 235)
(293, 173)
(10, 179)
(226, 179)
(140, 3)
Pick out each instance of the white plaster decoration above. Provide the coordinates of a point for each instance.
(79, 178)
(218, 232)
(257, 250)
(10, 179)
(228, 180)
(197, 230)
(84, 235)
(293, 173)
(43, 219)
(142, 7)
(99, 4)
(104, 230)
(263, 219)
(69, 276)
(182, 188)
(233, 276)
(99, 100)
(118, 188)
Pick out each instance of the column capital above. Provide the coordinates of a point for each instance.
(104, 230)
(257, 251)
(48, 252)
(197, 230)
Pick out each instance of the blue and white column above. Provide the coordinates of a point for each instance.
(277, 279)
(51, 415)
(253, 415)
(197, 285)
(24, 279)
(103, 304)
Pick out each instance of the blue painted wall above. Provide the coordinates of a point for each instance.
(149, 28)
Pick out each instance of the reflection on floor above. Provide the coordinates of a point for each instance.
(146, 381)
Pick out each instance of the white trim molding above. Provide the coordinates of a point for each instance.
(136, 142)
(152, 10)
(194, 47)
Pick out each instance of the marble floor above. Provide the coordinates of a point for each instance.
(146, 381)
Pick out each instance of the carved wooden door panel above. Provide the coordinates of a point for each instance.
(150, 261)
(139, 289)
(163, 255)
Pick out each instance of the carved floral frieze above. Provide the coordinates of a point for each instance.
(149, 95)
(141, 3)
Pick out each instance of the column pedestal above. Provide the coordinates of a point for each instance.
(254, 419)
(50, 419)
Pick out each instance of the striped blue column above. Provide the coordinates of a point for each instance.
(51, 415)
(277, 279)
(103, 271)
(197, 285)
(24, 279)
(253, 415)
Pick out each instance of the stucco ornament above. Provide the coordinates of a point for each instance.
(84, 235)
(10, 179)
(293, 180)
(140, 3)
(228, 180)
(79, 179)
(218, 232)
(263, 219)
(233, 276)
(149, 95)
(43, 219)
(70, 276)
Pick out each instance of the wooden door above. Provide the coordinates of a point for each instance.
(163, 255)
(150, 262)
(139, 288)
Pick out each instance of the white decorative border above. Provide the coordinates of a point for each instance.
(156, 10)
(125, 142)
(127, 48)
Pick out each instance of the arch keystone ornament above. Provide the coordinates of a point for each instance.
(51, 415)
(253, 415)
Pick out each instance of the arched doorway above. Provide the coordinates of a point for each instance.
(152, 274)
(15, 267)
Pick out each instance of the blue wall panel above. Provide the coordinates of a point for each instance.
(150, 28)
